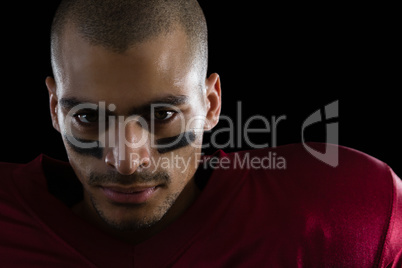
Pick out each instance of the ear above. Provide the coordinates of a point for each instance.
(53, 101)
(213, 98)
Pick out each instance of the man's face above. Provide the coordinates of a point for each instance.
(145, 111)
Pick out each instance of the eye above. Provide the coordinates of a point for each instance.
(87, 117)
(163, 115)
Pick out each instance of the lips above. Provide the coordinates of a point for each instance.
(131, 195)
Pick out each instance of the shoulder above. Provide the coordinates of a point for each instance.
(354, 200)
(355, 177)
(343, 174)
(7, 171)
(310, 160)
(15, 175)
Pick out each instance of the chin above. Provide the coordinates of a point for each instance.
(132, 217)
(132, 224)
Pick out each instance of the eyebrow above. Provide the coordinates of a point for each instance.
(69, 103)
(173, 100)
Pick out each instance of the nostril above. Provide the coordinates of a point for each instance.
(145, 163)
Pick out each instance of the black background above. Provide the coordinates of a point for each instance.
(277, 60)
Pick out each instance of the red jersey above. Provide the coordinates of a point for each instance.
(251, 213)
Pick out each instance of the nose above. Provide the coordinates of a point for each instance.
(131, 150)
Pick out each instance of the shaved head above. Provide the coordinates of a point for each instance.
(118, 25)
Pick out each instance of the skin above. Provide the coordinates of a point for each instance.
(144, 73)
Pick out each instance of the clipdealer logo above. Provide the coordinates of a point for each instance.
(330, 112)
(114, 134)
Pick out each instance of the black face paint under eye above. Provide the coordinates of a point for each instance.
(166, 145)
(95, 151)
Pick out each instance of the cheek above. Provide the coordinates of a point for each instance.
(187, 162)
(77, 165)
(84, 147)
(82, 166)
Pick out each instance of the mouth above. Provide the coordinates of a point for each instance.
(129, 195)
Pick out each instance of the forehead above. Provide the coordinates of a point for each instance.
(157, 67)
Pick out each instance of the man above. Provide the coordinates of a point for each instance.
(131, 100)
